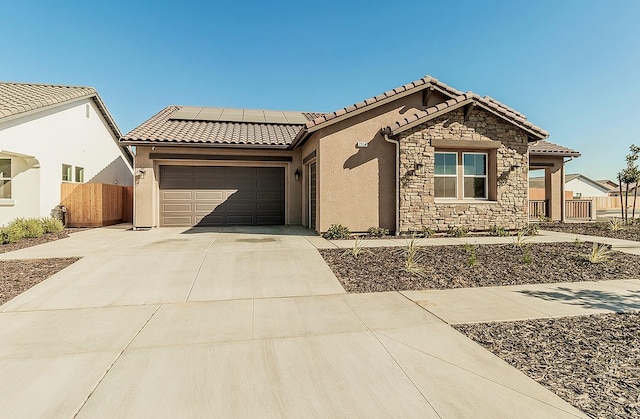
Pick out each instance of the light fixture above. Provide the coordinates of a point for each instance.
(297, 174)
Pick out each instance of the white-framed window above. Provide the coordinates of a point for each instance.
(474, 180)
(66, 173)
(461, 175)
(446, 175)
(5, 178)
(79, 174)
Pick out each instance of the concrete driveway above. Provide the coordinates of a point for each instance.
(236, 323)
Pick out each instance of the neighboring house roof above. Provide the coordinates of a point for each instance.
(248, 127)
(544, 148)
(539, 181)
(421, 116)
(608, 184)
(19, 99)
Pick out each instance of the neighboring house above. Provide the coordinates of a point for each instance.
(52, 134)
(423, 154)
(612, 187)
(580, 186)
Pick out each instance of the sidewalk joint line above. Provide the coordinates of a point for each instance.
(93, 390)
(195, 278)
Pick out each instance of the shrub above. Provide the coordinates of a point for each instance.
(31, 227)
(10, 234)
(526, 255)
(51, 225)
(470, 250)
(531, 229)
(615, 224)
(358, 247)
(428, 232)
(377, 232)
(412, 261)
(337, 232)
(455, 231)
(495, 230)
(600, 253)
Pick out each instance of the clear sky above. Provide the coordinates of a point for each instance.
(571, 66)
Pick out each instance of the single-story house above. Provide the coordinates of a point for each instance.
(52, 134)
(580, 186)
(420, 155)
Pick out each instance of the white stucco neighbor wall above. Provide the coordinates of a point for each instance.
(578, 186)
(74, 133)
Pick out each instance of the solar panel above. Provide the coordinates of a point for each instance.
(255, 116)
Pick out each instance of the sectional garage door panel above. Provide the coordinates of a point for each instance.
(197, 195)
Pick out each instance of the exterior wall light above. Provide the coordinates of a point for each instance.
(296, 175)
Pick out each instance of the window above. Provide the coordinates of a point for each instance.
(475, 175)
(461, 171)
(446, 175)
(66, 173)
(5, 178)
(79, 174)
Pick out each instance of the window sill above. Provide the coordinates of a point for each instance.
(4, 202)
(463, 201)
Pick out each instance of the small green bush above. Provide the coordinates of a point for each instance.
(337, 232)
(377, 232)
(31, 227)
(428, 232)
(455, 231)
(51, 225)
(495, 230)
(10, 234)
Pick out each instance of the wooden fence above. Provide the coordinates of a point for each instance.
(613, 202)
(96, 204)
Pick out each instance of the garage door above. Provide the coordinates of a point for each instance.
(215, 196)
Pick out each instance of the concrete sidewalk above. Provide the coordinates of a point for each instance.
(237, 323)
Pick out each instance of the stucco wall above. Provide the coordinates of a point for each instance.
(147, 194)
(357, 185)
(578, 186)
(56, 136)
(508, 172)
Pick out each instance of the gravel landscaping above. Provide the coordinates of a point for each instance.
(630, 232)
(592, 362)
(442, 267)
(17, 276)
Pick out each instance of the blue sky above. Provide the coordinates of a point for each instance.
(571, 66)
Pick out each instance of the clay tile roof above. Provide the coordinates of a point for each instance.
(496, 107)
(17, 98)
(544, 148)
(161, 128)
(414, 85)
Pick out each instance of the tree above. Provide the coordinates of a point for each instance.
(629, 175)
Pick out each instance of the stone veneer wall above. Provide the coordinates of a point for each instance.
(418, 207)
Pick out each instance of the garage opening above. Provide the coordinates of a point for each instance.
(221, 195)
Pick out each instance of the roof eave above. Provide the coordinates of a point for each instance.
(205, 145)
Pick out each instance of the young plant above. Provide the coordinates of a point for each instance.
(521, 238)
(615, 224)
(377, 232)
(428, 232)
(337, 232)
(358, 247)
(495, 230)
(577, 242)
(600, 253)
(457, 231)
(526, 255)
(412, 260)
(531, 229)
(470, 250)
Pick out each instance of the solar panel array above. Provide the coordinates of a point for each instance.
(256, 116)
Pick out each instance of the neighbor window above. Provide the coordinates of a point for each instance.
(475, 175)
(5, 178)
(79, 174)
(460, 171)
(66, 173)
(446, 175)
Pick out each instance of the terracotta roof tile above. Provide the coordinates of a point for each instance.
(504, 111)
(162, 129)
(542, 148)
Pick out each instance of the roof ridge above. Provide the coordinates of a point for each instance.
(21, 83)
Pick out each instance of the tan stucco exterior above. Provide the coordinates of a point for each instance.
(554, 183)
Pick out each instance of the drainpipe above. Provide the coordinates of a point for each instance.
(385, 134)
